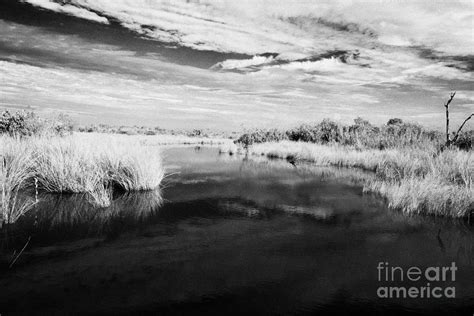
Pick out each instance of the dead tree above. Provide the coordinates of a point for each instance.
(449, 140)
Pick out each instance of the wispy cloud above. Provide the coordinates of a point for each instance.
(257, 27)
(304, 60)
(73, 10)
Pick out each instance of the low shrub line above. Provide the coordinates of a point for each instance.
(360, 135)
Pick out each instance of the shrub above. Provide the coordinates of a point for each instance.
(361, 135)
(261, 136)
(150, 132)
(304, 133)
(22, 123)
(465, 140)
(195, 133)
(328, 132)
(394, 121)
(62, 125)
(127, 130)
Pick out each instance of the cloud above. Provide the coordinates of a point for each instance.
(324, 65)
(70, 9)
(231, 64)
(383, 36)
(465, 95)
(303, 61)
(265, 26)
(439, 70)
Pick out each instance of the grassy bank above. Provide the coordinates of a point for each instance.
(414, 169)
(95, 165)
(417, 181)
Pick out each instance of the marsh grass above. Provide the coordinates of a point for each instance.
(428, 195)
(411, 179)
(15, 170)
(100, 195)
(95, 165)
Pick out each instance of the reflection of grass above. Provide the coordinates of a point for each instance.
(76, 209)
(413, 180)
(100, 195)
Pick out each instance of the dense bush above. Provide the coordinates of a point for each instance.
(394, 121)
(326, 131)
(260, 136)
(304, 133)
(361, 135)
(22, 123)
(61, 125)
(465, 140)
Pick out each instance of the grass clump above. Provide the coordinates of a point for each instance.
(96, 165)
(426, 183)
(15, 171)
(428, 195)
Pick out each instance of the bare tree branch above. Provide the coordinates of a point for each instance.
(448, 139)
(460, 127)
(450, 99)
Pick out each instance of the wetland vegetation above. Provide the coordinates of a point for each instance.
(414, 169)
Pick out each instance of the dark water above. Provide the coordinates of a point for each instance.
(230, 236)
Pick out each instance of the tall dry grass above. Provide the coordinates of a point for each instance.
(413, 180)
(91, 164)
(15, 171)
(80, 163)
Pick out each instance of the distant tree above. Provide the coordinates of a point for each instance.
(328, 131)
(394, 121)
(20, 123)
(62, 125)
(359, 121)
(196, 132)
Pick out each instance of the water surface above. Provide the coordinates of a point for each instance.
(228, 235)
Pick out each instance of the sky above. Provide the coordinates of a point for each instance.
(231, 65)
